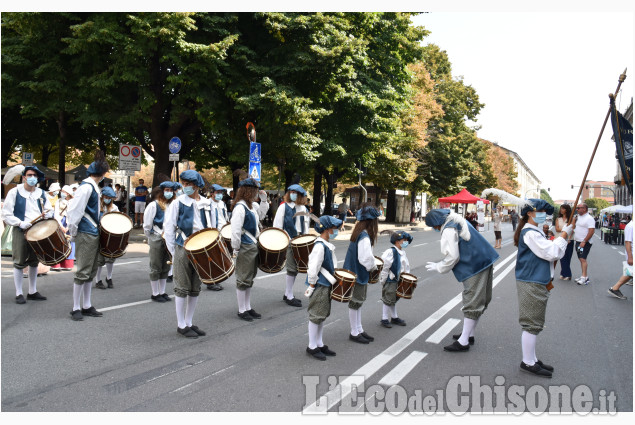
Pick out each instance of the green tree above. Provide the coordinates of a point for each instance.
(545, 196)
(597, 203)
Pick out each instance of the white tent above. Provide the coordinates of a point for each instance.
(614, 209)
(625, 210)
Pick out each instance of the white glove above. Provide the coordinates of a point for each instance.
(431, 267)
(309, 291)
(49, 214)
(568, 229)
(25, 225)
(263, 195)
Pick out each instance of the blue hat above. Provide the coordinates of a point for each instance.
(167, 185)
(107, 191)
(367, 213)
(177, 185)
(327, 222)
(537, 205)
(437, 217)
(297, 188)
(217, 188)
(192, 176)
(399, 235)
(249, 182)
(40, 175)
(98, 168)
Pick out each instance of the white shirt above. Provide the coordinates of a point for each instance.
(278, 220)
(222, 212)
(148, 219)
(628, 236)
(543, 247)
(204, 204)
(238, 219)
(560, 224)
(582, 226)
(61, 209)
(388, 259)
(171, 217)
(110, 208)
(77, 208)
(316, 258)
(31, 207)
(365, 254)
(449, 248)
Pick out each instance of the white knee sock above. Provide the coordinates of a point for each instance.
(86, 301)
(352, 318)
(289, 290)
(109, 267)
(529, 348)
(313, 335)
(320, 343)
(155, 287)
(162, 283)
(77, 294)
(240, 295)
(385, 312)
(393, 311)
(180, 303)
(32, 280)
(468, 330)
(189, 312)
(98, 275)
(17, 280)
(359, 321)
(248, 299)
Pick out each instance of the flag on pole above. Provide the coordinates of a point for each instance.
(623, 136)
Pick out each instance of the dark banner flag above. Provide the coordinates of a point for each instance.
(623, 135)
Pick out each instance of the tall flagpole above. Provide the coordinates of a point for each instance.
(608, 114)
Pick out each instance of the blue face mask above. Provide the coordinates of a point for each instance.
(179, 192)
(293, 197)
(107, 201)
(218, 196)
(334, 234)
(404, 244)
(540, 217)
(63, 195)
(31, 181)
(168, 195)
(188, 190)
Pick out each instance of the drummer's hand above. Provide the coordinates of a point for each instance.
(235, 255)
(263, 195)
(309, 291)
(431, 267)
(25, 225)
(568, 229)
(49, 214)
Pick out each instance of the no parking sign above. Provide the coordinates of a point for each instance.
(129, 157)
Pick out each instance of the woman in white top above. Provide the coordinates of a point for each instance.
(497, 228)
(565, 262)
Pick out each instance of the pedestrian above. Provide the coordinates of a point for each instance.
(320, 278)
(584, 227)
(106, 206)
(52, 192)
(343, 210)
(395, 262)
(219, 209)
(514, 219)
(61, 210)
(627, 268)
(294, 202)
(534, 274)
(360, 260)
(471, 258)
(23, 205)
(565, 262)
(498, 216)
(140, 192)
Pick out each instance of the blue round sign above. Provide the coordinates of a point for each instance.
(175, 145)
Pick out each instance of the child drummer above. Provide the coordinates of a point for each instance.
(106, 206)
(395, 262)
(321, 269)
(182, 220)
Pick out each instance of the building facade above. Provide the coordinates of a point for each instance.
(599, 189)
(528, 182)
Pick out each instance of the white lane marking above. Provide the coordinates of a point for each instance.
(502, 263)
(344, 388)
(402, 369)
(201, 379)
(129, 262)
(443, 331)
(421, 244)
(115, 307)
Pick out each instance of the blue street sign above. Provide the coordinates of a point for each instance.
(175, 145)
(254, 153)
(254, 170)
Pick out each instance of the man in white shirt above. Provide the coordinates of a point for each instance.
(628, 269)
(23, 204)
(584, 228)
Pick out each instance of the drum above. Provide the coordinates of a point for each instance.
(272, 249)
(301, 246)
(374, 276)
(343, 288)
(406, 285)
(209, 256)
(48, 242)
(226, 235)
(114, 229)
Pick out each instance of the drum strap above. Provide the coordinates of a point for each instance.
(156, 230)
(328, 276)
(90, 220)
(250, 236)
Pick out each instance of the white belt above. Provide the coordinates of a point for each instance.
(155, 229)
(328, 276)
(250, 236)
(90, 220)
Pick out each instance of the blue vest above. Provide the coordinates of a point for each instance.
(475, 255)
(289, 222)
(530, 268)
(158, 217)
(396, 265)
(203, 218)
(19, 209)
(249, 225)
(92, 209)
(327, 263)
(185, 222)
(352, 263)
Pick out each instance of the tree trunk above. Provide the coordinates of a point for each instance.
(413, 214)
(391, 207)
(288, 178)
(317, 190)
(62, 128)
(328, 201)
(46, 153)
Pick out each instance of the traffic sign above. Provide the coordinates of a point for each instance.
(175, 145)
(173, 157)
(254, 170)
(254, 153)
(27, 159)
(129, 157)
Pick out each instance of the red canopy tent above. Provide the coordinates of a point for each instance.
(463, 197)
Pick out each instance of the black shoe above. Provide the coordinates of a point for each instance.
(169, 279)
(470, 339)
(92, 311)
(317, 353)
(398, 321)
(359, 338)
(368, 337)
(217, 287)
(157, 298)
(385, 323)
(245, 316)
(100, 285)
(76, 315)
(326, 351)
(198, 331)
(456, 346)
(20, 299)
(544, 366)
(293, 302)
(109, 282)
(187, 332)
(535, 370)
(253, 314)
(166, 297)
(36, 297)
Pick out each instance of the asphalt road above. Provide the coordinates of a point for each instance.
(132, 359)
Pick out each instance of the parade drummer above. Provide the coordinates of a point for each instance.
(320, 277)
(153, 218)
(178, 188)
(471, 258)
(360, 260)
(107, 205)
(294, 201)
(246, 215)
(395, 262)
(61, 209)
(181, 220)
(219, 209)
(24, 204)
(534, 273)
(209, 220)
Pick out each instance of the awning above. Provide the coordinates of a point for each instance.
(463, 197)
